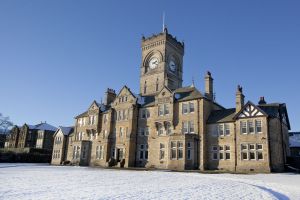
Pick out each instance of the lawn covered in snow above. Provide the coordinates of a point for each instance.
(33, 181)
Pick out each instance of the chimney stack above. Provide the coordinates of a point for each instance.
(240, 99)
(209, 88)
(262, 101)
(110, 96)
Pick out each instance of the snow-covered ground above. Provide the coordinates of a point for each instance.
(32, 181)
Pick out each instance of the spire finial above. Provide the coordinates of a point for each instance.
(193, 83)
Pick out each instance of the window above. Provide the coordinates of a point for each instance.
(191, 126)
(163, 109)
(259, 147)
(188, 108)
(146, 131)
(252, 152)
(221, 152)
(227, 129)
(168, 128)
(243, 127)
(188, 127)
(160, 130)
(166, 107)
(92, 120)
(160, 110)
(80, 122)
(252, 155)
(173, 150)
(192, 109)
(180, 150)
(260, 155)
(145, 114)
(113, 150)
(184, 108)
(244, 156)
(244, 147)
(251, 127)
(79, 136)
(176, 150)
(99, 152)
(258, 126)
(221, 129)
(143, 151)
(227, 152)
(76, 152)
(185, 127)
(161, 151)
(189, 151)
(215, 153)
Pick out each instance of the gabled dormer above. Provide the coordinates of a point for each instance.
(125, 96)
(164, 96)
(250, 110)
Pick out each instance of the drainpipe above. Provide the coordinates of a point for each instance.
(269, 142)
(136, 135)
(199, 137)
(282, 139)
(235, 149)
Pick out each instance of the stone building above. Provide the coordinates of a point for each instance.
(59, 153)
(32, 136)
(13, 137)
(168, 126)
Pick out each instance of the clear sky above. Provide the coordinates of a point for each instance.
(57, 56)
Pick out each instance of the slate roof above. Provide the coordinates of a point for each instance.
(221, 116)
(271, 109)
(227, 115)
(84, 114)
(180, 94)
(146, 101)
(275, 109)
(187, 93)
(66, 130)
(46, 127)
(42, 126)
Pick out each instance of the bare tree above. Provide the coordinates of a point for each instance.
(5, 123)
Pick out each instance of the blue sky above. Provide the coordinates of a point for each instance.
(57, 56)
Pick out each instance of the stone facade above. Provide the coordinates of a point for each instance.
(168, 126)
(60, 145)
(31, 136)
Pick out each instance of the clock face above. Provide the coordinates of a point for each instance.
(172, 65)
(153, 63)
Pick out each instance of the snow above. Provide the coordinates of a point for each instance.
(36, 181)
(45, 126)
(295, 140)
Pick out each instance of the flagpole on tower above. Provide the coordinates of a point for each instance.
(163, 21)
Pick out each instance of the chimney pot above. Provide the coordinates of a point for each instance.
(262, 101)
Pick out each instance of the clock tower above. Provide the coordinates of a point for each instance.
(162, 59)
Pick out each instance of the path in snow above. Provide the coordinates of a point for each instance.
(29, 181)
